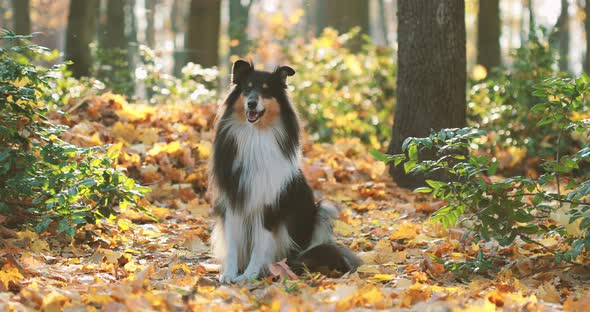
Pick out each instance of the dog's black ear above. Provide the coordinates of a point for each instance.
(284, 72)
(239, 70)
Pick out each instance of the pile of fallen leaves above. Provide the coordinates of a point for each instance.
(135, 263)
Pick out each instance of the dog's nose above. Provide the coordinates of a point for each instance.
(252, 104)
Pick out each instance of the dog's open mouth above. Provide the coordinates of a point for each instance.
(253, 116)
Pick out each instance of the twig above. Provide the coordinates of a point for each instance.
(557, 177)
(532, 241)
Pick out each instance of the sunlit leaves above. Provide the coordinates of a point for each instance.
(52, 181)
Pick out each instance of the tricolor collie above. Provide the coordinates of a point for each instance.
(265, 208)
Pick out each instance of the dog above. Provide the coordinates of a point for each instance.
(265, 209)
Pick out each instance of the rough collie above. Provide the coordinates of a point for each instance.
(265, 209)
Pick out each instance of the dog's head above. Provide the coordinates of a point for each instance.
(259, 91)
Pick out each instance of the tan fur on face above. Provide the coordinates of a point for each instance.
(272, 113)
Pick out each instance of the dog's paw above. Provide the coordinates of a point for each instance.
(247, 276)
(228, 278)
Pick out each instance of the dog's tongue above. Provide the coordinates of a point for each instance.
(252, 116)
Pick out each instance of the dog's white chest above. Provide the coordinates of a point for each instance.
(265, 170)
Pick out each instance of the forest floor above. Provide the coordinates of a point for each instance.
(145, 265)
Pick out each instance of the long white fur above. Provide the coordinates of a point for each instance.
(265, 173)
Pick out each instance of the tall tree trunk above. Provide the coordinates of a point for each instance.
(587, 24)
(115, 68)
(564, 36)
(202, 35)
(488, 34)
(383, 22)
(178, 28)
(343, 15)
(238, 24)
(150, 32)
(22, 17)
(79, 34)
(115, 25)
(532, 24)
(431, 74)
(311, 17)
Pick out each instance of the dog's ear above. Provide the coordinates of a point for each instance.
(284, 72)
(239, 70)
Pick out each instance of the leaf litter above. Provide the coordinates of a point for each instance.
(135, 263)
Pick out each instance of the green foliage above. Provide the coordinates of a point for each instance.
(44, 179)
(479, 265)
(340, 93)
(514, 207)
(502, 105)
(112, 67)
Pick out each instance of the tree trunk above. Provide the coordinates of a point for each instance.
(115, 26)
(202, 35)
(564, 36)
(22, 17)
(343, 15)
(310, 8)
(587, 24)
(431, 74)
(150, 32)
(488, 34)
(79, 34)
(238, 24)
(383, 22)
(532, 24)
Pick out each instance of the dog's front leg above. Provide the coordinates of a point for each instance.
(233, 236)
(263, 252)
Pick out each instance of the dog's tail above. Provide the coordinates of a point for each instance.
(324, 254)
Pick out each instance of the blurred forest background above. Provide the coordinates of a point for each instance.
(485, 105)
(214, 33)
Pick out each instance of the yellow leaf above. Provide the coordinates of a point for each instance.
(382, 277)
(10, 273)
(547, 292)
(343, 229)
(405, 231)
(125, 131)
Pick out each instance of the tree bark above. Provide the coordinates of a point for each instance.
(488, 34)
(431, 74)
(383, 22)
(202, 36)
(587, 25)
(79, 34)
(238, 24)
(564, 36)
(22, 17)
(343, 15)
(115, 26)
(150, 32)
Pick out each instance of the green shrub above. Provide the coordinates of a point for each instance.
(49, 182)
(112, 67)
(502, 104)
(515, 207)
(340, 93)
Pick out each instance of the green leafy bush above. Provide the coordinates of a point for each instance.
(514, 207)
(112, 67)
(340, 93)
(45, 181)
(502, 106)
